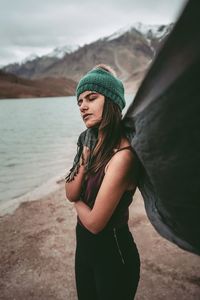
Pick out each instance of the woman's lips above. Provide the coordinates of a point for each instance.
(86, 116)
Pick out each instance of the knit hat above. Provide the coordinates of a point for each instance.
(103, 82)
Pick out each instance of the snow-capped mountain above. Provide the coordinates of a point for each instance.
(129, 51)
(155, 31)
(29, 58)
(56, 53)
(149, 31)
(60, 52)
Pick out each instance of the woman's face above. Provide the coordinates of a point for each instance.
(91, 107)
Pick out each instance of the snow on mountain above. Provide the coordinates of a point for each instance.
(149, 31)
(156, 31)
(118, 33)
(60, 52)
(29, 58)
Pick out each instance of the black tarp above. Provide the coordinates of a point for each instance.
(164, 120)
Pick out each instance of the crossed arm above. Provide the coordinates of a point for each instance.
(115, 183)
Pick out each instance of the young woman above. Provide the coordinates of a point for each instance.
(101, 184)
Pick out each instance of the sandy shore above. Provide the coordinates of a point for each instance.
(37, 246)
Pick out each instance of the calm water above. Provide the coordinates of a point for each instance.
(37, 142)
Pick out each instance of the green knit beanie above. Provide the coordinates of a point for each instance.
(102, 82)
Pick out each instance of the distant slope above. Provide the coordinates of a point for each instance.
(12, 86)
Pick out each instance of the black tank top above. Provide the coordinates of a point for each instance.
(91, 187)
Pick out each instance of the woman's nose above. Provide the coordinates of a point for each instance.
(83, 106)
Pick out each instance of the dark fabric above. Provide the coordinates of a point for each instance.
(107, 265)
(90, 191)
(87, 138)
(164, 120)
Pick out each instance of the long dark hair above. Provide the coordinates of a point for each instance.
(112, 131)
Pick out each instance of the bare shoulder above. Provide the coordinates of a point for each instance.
(125, 155)
(123, 159)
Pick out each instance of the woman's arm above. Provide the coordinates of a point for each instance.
(73, 188)
(115, 183)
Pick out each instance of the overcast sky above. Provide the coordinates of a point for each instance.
(38, 26)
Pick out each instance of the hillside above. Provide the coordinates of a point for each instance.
(12, 86)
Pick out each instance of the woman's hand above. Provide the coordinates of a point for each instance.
(73, 187)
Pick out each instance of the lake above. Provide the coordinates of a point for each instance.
(37, 142)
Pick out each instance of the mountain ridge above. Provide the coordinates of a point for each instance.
(129, 51)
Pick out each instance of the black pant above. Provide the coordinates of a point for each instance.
(107, 265)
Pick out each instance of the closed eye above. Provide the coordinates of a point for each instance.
(92, 98)
(79, 102)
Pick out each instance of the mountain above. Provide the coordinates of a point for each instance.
(60, 52)
(129, 51)
(12, 86)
